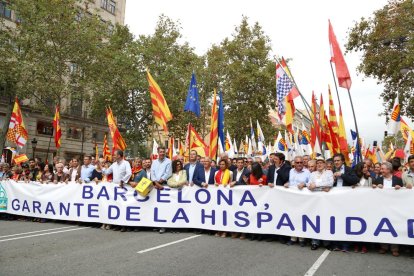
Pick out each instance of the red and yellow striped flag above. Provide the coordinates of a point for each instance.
(332, 113)
(160, 109)
(343, 144)
(171, 148)
(17, 132)
(56, 126)
(316, 128)
(106, 153)
(327, 134)
(117, 140)
(20, 158)
(214, 128)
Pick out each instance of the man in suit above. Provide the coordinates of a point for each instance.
(190, 168)
(278, 173)
(240, 173)
(204, 175)
(343, 175)
(75, 171)
(387, 180)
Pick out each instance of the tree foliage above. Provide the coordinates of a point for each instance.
(386, 41)
(242, 68)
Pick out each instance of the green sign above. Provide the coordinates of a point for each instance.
(3, 198)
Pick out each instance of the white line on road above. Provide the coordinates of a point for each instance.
(43, 234)
(167, 244)
(318, 263)
(50, 229)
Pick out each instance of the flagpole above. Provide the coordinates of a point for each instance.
(352, 106)
(48, 148)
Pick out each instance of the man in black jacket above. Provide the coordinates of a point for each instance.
(344, 176)
(278, 173)
(240, 173)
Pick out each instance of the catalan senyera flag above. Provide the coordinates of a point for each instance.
(56, 126)
(20, 158)
(214, 128)
(325, 134)
(332, 113)
(106, 152)
(170, 147)
(17, 132)
(343, 143)
(160, 110)
(315, 129)
(180, 148)
(117, 140)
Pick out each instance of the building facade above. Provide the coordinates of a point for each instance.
(79, 131)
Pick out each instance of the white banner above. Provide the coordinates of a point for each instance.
(343, 214)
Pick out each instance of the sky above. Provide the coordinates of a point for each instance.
(298, 30)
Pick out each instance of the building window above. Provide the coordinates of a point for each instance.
(44, 128)
(5, 11)
(74, 132)
(76, 107)
(98, 135)
(108, 5)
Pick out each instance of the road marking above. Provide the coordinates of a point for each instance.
(318, 263)
(51, 229)
(167, 244)
(43, 234)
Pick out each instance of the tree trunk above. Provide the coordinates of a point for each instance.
(6, 124)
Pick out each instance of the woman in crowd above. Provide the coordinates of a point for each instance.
(97, 172)
(107, 178)
(16, 173)
(41, 168)
(136, 167)
(388, 180)
(223, 177)
(377, 171)
(396, 167)
(257, 177)
(60, 176)
(362, 171)
(179, 176)
(47, 175)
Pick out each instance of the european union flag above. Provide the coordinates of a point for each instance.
(221, 120)
(192, 103)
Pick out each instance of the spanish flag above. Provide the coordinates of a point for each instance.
(56, 126)
(106, 152)
(20, 158)
(160, 109)
(117, 139)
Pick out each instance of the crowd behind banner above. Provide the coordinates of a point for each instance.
(317, 175)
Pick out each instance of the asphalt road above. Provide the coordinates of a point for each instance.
(28, 248)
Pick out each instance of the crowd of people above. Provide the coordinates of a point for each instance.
(317, 175)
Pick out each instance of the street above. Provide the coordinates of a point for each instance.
(65, 249)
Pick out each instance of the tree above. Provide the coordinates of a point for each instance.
(241, 66)
(387, 46)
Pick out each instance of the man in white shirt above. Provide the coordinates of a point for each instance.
(120, 169)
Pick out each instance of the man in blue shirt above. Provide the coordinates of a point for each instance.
(86, 169)
(161, 169)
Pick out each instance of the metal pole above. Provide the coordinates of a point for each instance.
(48, 148)
(353, 113)
(336, 86)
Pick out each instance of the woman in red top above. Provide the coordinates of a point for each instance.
(257, 177)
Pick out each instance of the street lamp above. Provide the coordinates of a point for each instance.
(34, 144)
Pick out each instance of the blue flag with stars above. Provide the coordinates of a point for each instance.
(192, 103)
